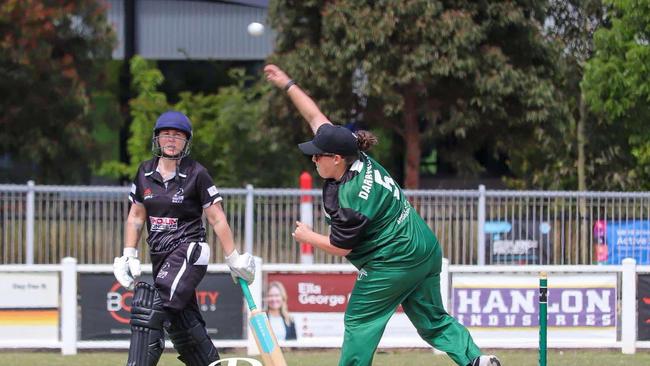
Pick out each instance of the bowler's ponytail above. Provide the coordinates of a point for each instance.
(365, 140)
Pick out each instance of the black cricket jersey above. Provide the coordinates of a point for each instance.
(175, 207)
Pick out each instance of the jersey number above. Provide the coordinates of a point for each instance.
(387, 182)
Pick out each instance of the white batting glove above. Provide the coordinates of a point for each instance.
(242, 266)
(127, 268)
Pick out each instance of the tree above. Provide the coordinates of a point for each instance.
(582, 150)
(229, 137)
(51, 54)
(617, 80)
(557, 161)
(601, 155)
(478, 74)
(573, 23)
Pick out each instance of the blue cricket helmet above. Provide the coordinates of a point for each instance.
(172, 120)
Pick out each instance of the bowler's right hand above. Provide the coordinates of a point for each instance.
(276, 76)
(127, 268)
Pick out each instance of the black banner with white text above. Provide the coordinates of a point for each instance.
(106, 305)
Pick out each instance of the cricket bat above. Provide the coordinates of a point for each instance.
(264, 337)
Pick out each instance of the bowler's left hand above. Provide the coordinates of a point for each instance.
(302, 232)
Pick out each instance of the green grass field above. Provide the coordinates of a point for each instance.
(330, 357)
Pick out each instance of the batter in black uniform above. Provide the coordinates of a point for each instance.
(170, 194)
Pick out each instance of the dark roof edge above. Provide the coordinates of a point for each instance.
(252, 3)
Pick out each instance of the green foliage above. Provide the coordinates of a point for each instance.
(229, 137)
(473, 73)
(573, 23)
(617, 80)
(551, 162)
(586, 139)
(105, 118)
(51, 55)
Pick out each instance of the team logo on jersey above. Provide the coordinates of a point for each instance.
(164, 271)
(163, 223)
(362, 273)
(405, 212)
(147, 193)
(178, 196)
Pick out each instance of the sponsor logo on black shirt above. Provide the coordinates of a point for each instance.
(178, 196)
(163, 223)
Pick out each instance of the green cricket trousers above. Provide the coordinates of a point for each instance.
(380, 288)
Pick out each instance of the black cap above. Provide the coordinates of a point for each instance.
(331, 139)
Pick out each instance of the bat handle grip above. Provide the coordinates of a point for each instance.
(247, 294)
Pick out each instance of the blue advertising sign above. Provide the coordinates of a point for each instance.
(628, 239)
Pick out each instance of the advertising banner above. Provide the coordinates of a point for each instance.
(518, 241)
(317, 302)
(29, 306)
(643, 294)
(106, 305)
(628, 239)
(580, 306)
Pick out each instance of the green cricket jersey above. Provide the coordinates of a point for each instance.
(370, 215)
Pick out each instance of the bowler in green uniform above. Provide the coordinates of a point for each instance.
(375, 227)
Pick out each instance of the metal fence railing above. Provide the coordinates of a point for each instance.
(43, 224)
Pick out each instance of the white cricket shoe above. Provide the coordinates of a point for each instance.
(486, 360)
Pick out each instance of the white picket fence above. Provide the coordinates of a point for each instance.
(41, 224)
(69, 270)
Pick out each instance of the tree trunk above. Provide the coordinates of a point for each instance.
(585, 246)
(582, 140)
(412, 141)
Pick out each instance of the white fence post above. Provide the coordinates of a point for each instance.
(481, 226)
(29, 230)
(444, 284)
(248, 220)
(256, 291)
(628, 307)
(69, 306)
